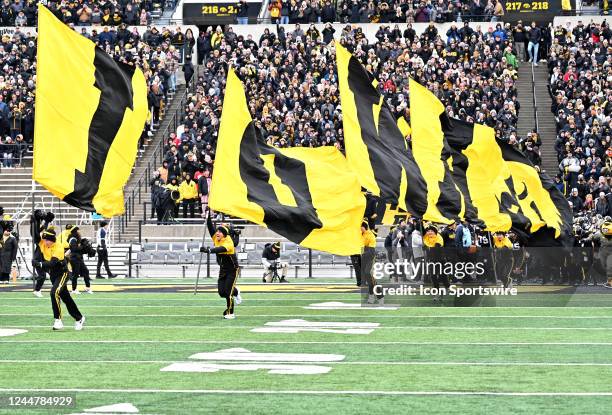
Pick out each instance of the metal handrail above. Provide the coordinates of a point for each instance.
(535, 101)
(156, 157)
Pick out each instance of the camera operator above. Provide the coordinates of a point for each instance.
(270, 260)
(78, 247)
(157, 208)
(8, 250)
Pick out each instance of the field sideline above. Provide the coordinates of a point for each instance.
(518, 359)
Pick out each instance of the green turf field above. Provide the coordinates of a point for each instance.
(522, 359)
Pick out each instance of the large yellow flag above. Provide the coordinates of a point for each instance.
(376, 148)
(308, 195)
(444, 200)
(90, 113)
(500, 187)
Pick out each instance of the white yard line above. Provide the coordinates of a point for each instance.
(407, 343)
(96, 296)
(415, 316)
(229, 326)
(308, 392)
(355, 296)
(114, 307)
(417, 363)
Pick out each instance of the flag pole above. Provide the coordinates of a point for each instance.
(32, 231)
(195, 289)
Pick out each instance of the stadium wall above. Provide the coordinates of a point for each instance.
(573, 20)
(32, 31)
(369, 29)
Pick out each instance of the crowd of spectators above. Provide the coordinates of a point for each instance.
(156, 52)
(580, 64)
(292, 87)
(82, 13)
(386, 11)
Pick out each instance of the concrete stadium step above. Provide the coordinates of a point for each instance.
(524, 89)
(546, 121)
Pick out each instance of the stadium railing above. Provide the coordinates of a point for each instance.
(535, 100)
(155, 160)
(185, 255)
(18, 152)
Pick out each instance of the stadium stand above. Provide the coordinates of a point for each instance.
(152, 50)
(291, 83)
(290, 77)
(580, 66)
(104, 13)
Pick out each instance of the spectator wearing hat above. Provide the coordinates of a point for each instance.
(433, 244)
(575, 200)
(188, 191)
(242, 15)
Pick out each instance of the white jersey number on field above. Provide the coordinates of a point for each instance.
(298, 325)
(274, 363)
(11, 332)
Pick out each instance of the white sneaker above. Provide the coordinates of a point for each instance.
(371, 299)
(58, 325)
(381, 301)
(75, 292)
(88, 291)
(79, 324)
(229, 316)
(238, 298)
(37, 294)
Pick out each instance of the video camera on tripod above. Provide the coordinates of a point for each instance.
(271, 274)
(168, 199)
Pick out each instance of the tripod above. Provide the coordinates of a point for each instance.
(273, 270)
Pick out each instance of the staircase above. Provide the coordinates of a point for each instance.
(546, 121)
(137, 190)
(16, 184)
(524, 86)
(15, 197)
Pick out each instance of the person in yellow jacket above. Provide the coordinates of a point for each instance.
(433, 244)
(503, 257)
(188, 190)
(216, 38)
(62, 240)
(368, 256)
(173, 187)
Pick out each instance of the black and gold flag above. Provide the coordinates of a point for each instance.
(445, 201)
(308, 195)
(90, 113)
(376, 149)
(501, 189)
(552, 217)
